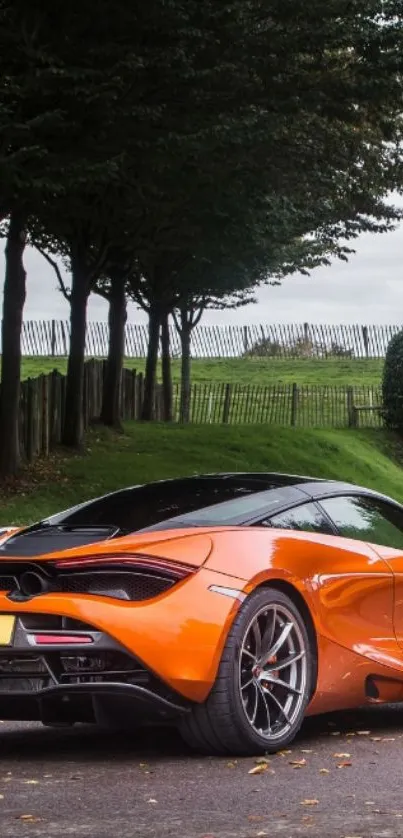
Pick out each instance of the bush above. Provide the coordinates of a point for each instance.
(265, 348)
(392, 384)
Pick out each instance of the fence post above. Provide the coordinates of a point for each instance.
(140, 395)
(227, 403)
(53, 339)
(365, 337)
(351, 411)
(245, 340)
(30, 420)
(294, 405)
(45, 414)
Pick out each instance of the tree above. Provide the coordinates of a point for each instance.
(56, 92)
(113, 289)
(29, 116)
(14, 298)
(166, 369)
(117, 316)
(315, 131)
(392, 384)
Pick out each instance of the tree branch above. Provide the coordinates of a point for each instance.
(65, 291)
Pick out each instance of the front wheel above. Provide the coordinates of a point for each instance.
(263, 685)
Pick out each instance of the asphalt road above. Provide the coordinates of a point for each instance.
(85, 782)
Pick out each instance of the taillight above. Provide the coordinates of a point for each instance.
(61, 639)
(136, 562)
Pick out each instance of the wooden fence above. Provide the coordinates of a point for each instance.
(51, 338)
(43, 399)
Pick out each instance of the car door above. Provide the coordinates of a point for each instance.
(380, 524)
(353, 585)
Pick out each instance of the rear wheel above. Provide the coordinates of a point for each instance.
(263, 685)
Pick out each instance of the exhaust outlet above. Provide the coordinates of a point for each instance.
(33, 584)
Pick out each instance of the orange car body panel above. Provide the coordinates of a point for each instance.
(349, 588)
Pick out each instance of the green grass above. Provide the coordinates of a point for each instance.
(150, 452)
(334, 371)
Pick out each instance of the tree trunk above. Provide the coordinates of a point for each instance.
(185, 372)
(166, 369)
(154, 322)
(13, 307)
(111, 412)
(73, 429)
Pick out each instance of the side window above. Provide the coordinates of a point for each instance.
(366, 519)
(305, 518)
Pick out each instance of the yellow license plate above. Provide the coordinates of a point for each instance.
(6, 629)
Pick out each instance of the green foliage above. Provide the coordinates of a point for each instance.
(392, 383)
(301, 348)
(265, 348)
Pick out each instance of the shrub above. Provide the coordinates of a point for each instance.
(392, 384)
(265, 348)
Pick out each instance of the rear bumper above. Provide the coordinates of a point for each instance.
(111, 704)
(177, 636)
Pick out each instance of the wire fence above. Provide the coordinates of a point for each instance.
(51, 338)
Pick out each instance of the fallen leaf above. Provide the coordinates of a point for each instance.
(297, 763)
(259, 769)
(388, 739)
(324, 771)
(309, 802)
(231, 764)
(283, 753)
(151, 800)
(342, 756)
(306, 751)
(376, 738)
(255, 818)
(350, 734)
(262, 761)
(344, 764)
(335, 733)
(363, 733)
(31, 782)
(29, 818)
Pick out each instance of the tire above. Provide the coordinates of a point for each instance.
(243, 718)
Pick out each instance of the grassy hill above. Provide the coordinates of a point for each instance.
(150, 452)
(333, 371)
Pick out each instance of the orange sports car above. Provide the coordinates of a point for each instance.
(231, 605)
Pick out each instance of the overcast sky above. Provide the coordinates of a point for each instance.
(368, 289)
